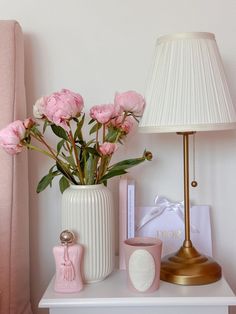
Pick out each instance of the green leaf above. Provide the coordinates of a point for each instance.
(44, 182)
(90, 168)
(91, 121)
(70, 160)
(64, 184)
(59, 131)
(46, 123)
(78, 133)
(95, 128)
(128, 163)
(89, 143)
(65, 172)
(112, 134)
(81, 122)
(60, 145)
(81, 142)
(111, 174)
(51, 169)
(92, 151)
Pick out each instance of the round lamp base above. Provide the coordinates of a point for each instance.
(188, 267)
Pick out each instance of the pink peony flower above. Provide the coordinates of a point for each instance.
(131, 102)
(11, 136)
(126, 125)
(60, 107)
(104, 113)
(39, 108)
(107, 148)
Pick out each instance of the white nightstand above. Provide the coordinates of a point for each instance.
(112, 296)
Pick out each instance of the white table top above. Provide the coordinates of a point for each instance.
(113, 291)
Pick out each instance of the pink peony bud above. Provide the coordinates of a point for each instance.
(148, 155)
(107, 148)
(28, 123)
(60, 107)
(130, 102)
(104, 113)
(126, 125)
(11, 136)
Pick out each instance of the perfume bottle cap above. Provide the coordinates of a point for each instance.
(67, 237)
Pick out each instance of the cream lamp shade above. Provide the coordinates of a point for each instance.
(187, 89)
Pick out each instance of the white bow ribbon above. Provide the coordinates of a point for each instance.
(163, 204)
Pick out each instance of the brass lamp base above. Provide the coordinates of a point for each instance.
(188, 267)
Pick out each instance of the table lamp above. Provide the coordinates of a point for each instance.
(187, 92)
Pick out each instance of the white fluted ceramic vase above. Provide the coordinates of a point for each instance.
(88, 211)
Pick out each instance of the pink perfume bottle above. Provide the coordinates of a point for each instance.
(68, 257)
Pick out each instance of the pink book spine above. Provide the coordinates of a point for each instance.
(122, 219)
(68, 277)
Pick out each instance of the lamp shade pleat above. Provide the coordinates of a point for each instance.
(187, 88)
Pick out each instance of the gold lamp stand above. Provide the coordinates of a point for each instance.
(187, 266)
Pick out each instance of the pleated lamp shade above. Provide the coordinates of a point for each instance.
(187, 89)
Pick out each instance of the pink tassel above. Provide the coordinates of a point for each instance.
(67, 267)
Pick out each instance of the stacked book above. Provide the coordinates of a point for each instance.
(126, 214)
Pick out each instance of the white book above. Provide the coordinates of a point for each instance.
(131, 209)
(123, 210)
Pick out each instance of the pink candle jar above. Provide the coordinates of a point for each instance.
(143, 262)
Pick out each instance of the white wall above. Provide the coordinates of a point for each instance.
(97, 47)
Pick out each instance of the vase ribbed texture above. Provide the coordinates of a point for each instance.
(88, 211)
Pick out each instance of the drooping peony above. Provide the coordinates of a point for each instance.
(130, 101)
(11, 136)
(104, 113)
(107, 149)
(60, 107)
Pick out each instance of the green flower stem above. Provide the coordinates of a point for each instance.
(103, 133)
(63, 157)
(119, 133)
(106, 160)
(39, 150)
(48, 147)
(97, 148)
(76, 158)
(41, 140)
(51, 153)
(97, 129)
(68, 147)
(102, 168)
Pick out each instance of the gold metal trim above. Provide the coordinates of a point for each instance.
(187, 266)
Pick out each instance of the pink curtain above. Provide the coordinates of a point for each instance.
(14, 220)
